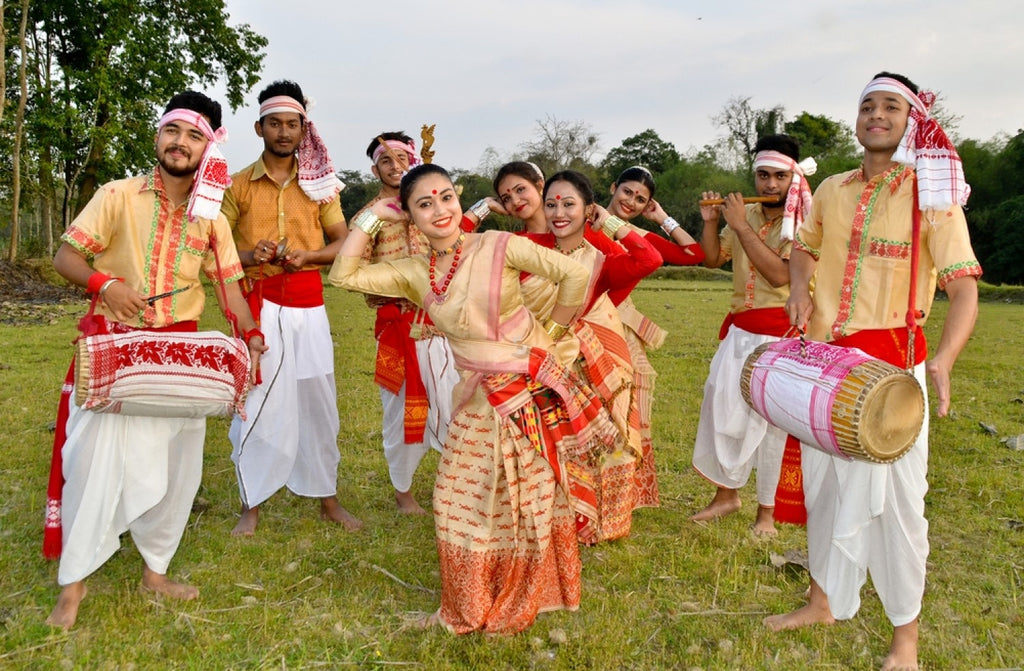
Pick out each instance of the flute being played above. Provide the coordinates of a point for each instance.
(751, 199)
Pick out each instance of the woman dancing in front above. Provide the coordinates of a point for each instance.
(506, 536)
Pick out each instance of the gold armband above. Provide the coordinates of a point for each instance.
(368, 223)
(554, 329)
(611, 225)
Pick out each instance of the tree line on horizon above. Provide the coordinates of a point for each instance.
(82, 82)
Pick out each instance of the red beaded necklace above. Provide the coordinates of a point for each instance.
(456, 251)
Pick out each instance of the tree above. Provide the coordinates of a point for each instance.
(101, 73)
(831, 143)
(743, 124)
(646, 149)
(560, 144)
(19, 134)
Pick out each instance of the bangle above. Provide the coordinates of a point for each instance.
(554, 329)
(669, 225)
(611, 225)
(106, 285)
(96, 282)
(368, 223)
(480, 209)
(252, 333)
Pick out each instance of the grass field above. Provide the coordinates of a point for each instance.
(305, 595)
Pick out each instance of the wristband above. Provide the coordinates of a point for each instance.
(368, 223)
(97, 281)
(252, 333)
(106, 285)
(480, 209)
(554, 329)
(611, 225)
(669, 225)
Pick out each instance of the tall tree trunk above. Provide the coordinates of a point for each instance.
(3, 62)
(19, 132)
(90, 180)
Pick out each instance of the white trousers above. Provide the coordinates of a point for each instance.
(437, 370)
(122, 473)
(290, 435)
(731, 438)
(864, 517)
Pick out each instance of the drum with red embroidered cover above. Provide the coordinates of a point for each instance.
(838, 399)
(162, 374)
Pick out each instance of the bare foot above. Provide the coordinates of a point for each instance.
(65, 612)
(331, 511)
(903, 651)
(764, 525)
(432, 620)
(407, 504)
(160, 584)
(247, 523)
(726, 502)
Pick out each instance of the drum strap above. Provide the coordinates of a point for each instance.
(915, 252)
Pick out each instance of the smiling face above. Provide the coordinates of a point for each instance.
(179, 148)
(773, 182)
(566, 213)
(520, 197)
(434, 208)
(281, 132)
(629, 199)
(390, 167)
(881, 121)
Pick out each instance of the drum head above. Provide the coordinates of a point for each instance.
(892, 416)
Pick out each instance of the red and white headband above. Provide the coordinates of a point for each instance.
(317, 177)
(211, 178)
(397, 145)
(798, 196)
(925, 147)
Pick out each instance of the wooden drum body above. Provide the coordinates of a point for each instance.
(837, 399)
(162, 374)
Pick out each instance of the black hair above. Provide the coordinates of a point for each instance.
(524, 169)
(637, 173)
(579, 182)
(414, 175)
(388, 135)
(900, 78)
(282, 87)
(197, 102)
(783, 144)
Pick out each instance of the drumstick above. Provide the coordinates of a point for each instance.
(751, 199)
(166, 294)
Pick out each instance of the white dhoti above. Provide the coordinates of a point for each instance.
(437, 370)
(290, 435)
(864, 517)
(731, 438)
(124, 473)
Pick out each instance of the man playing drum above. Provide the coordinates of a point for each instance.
(860, 247)
(282, 207)
(144, 236)
(731, 437)
(414, 368)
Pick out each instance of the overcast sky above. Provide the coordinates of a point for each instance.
(486, 71)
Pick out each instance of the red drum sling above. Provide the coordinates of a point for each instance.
(837, 399)
(162, 373)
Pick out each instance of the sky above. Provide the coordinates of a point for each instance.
(486, 71)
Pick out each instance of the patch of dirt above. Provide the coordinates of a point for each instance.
(31, 292)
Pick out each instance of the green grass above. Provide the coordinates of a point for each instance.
(305, 595)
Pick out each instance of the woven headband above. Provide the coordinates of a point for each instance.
(317, 178)
(408, 147)
(798, 195)
(211, 178)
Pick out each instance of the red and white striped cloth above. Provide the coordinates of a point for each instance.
(798, 197)
(212, 177)
(317, 177)
(926, 148)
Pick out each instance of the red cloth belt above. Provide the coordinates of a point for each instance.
(889, 345)
(397, 363)
(91, 324)
(763, 321)
(304, 289)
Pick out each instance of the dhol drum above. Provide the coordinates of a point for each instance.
(838, 399)
(162, 374)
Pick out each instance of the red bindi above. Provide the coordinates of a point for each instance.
(557, 197)
(433, 191)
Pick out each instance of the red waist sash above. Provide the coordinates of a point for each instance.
(304, 289)
(397, 363)
(889, 345)
(763, 321)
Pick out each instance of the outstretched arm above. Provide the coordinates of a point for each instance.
(956, 330)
